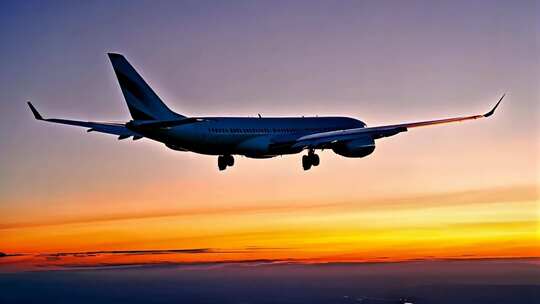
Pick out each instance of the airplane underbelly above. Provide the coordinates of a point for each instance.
(198, 140)
(211, 144)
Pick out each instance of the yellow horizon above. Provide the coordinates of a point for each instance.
(488, 223)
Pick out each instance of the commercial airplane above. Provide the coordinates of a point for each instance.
(261, 137)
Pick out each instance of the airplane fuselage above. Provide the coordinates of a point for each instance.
(251, 137)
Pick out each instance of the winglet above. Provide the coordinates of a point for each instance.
(488, 114)
(34, 111)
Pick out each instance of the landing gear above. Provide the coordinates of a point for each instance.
(306, 162)
(311, 159)
(230, 160)
(315, 160)
(225, 161)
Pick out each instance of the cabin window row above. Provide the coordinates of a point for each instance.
(265, 130)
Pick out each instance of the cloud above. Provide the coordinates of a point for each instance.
(481, 196)
(274, 262)
(4, 255)
(246, 263)
(128, 252)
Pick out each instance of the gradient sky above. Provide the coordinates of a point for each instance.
(468, 189)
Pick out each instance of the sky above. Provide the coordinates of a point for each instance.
(466, 190)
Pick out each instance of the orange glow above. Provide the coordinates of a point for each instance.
(499, 223)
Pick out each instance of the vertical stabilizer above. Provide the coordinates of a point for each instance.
(143, 103)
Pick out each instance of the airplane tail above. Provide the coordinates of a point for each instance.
(142, 102)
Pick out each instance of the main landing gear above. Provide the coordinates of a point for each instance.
(225, 161)
(311, 159)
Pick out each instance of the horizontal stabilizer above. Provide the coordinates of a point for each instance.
(102, 127)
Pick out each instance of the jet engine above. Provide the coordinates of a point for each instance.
(255, 146)
(361, 147)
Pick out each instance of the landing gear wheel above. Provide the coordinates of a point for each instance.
(222, 163)
(306, 162)
(230, 160)
(225, 161)
(315, 160)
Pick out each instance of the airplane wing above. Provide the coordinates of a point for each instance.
(102, 127)
(327, 139)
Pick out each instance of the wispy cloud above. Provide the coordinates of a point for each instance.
(103, 260)
(3, 255)
(481, 196)
(128, 252)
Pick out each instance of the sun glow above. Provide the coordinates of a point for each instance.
(498, 223)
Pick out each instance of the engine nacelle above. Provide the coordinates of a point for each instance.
(254, 146)
(361, 147)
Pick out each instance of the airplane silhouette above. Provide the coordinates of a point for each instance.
(261, 137)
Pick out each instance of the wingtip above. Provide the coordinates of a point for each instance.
(34, 111)
(488, 114)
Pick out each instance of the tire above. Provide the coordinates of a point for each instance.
(315, 160)
(306, 162)
(222, 164)
(230, 160)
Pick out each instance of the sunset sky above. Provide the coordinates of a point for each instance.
(468, 190)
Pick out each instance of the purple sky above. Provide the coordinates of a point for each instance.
(380, 61)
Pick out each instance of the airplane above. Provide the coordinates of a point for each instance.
(252, 137)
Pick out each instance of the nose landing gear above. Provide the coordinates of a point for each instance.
(225, 161)
(311, 159)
